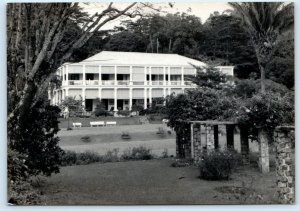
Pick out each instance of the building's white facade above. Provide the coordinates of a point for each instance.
(122, 79)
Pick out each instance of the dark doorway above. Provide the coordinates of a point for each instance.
(120, 104)
(89, 104)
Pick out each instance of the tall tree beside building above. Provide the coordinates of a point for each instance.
(266, 24)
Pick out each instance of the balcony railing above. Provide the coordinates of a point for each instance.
(123, 82)
(138, 82)
(91, 82)
(157, 83)
(75, 82)
(175, 82)
(108, 82)
(189, 83)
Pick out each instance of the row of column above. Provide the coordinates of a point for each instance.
(212, 142)
(59, 95)
(65, 71)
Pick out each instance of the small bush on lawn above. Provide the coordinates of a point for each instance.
(182, 163)
(86, 139)
(218, 165)
(124, 112)
(72, 158)
(87, 158)
(137, 153)
(111, 156)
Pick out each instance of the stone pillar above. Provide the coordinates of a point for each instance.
(197, 143)
(192, 140)
(263, 151)
(285, 164)
(244, 144)
(210, 140)
(230, 136)
(66, 93)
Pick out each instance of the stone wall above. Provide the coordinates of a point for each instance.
(285, 163)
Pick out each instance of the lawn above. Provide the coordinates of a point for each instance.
(153, 182)
(108, 138)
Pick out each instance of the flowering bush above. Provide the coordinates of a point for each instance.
(267, 110)
(218, 165)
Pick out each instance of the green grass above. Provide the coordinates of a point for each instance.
(151, 182)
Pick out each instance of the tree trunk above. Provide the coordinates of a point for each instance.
(262, 79)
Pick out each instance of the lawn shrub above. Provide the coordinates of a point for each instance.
(124, 112)
(86, 139)
(182, 162)
(111, 156)
(218, 165)
(88, 157)
(137, 153)
(68, 158)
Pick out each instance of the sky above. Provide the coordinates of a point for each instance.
(202, 10)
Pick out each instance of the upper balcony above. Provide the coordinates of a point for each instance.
(125, 83)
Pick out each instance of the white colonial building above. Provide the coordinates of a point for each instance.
(122, 79)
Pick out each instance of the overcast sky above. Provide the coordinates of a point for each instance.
(202, 10)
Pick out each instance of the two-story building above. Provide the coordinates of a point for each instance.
(122, 79)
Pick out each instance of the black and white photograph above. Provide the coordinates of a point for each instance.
(146, 103)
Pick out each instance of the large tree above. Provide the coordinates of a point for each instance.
(37, 44)
(266, 24)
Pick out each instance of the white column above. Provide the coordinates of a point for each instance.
(130, 99)
(182, 76)
(164, 92)
(115, 100)
(164, 76)
(145, 98)
(100, 93)
(100, 75)
(145, 78)
(150, 96)
(130, 76)
(169, 76)
(67, 93)
(83, 75)
(169, 91)
(67, 75)
(116, 75)
(150, 76)
(83, 98)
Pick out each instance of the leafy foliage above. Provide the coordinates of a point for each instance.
(36, 139)
(218, 165)
(210, 77)
(126, 41)
(100, 109)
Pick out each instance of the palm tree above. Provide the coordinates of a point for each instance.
(267, 24)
